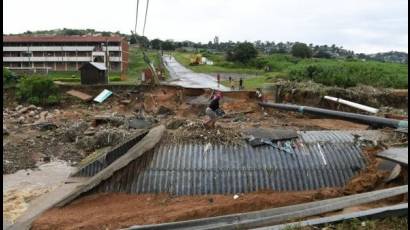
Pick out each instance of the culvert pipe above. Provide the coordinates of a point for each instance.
(360, 118)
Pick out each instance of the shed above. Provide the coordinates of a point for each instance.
(93, 73)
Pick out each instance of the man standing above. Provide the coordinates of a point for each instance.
(211, 110)
(218, 79)
(240, 84)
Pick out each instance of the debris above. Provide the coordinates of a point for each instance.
(125, 102)
(164, 110)
(139, 124)
(5, 131)
(272, 134)
(353, 104)
(18, 107)
(112, 119)
(80, 95)
(102, 96)
(365, 119)
(174, 124)
(75, 130)
(396, 116)
(23, 110)
(399, 155)
(44, 126)
(235, 196)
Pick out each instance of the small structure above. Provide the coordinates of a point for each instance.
(93, 73)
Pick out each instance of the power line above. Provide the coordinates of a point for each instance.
(136, 17)
(145, 20)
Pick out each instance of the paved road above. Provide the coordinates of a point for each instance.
(182, 76)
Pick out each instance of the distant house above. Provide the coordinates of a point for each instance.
(93, 73)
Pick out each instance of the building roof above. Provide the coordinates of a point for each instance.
(97, 65)
(60, 38)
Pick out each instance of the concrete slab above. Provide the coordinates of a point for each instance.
(399, 155)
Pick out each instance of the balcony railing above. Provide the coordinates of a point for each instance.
(54, 59)
(56, 48)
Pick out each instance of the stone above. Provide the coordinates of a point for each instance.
(5, 131)
(37, 116)
(32, 107)
(125, 102)
(31, 114)
(43, 115)
(75, 130)
(21, 119)
(22, 110)
(18, 107)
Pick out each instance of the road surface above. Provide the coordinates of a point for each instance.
(182, 76)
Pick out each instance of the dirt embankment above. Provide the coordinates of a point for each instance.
(113, 211)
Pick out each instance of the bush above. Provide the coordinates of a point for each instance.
(38, 91)
(9, 78)
(351, 73)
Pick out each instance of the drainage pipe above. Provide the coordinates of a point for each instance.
(364, 119)
(353, 104)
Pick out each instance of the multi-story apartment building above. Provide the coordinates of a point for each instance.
(63, 53)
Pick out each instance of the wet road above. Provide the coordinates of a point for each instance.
(182, 76)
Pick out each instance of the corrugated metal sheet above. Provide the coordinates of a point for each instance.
(321, 159)
(106, 159)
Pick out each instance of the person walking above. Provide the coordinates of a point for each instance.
(231, 83)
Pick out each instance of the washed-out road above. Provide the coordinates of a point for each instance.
(184, 77)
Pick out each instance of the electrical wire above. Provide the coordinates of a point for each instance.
(145, 20)
(136, 18)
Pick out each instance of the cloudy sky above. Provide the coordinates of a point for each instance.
(361, 25)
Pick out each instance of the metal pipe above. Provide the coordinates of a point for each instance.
(353, 104)
(364, 119)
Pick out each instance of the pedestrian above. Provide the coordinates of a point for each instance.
(218, 79)
(231, 83)
(240, 84)
(211, 110)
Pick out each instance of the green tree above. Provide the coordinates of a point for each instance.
(156, 44)
(301, 50)
(168, 45)
(242, 52)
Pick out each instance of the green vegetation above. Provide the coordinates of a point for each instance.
(345, 73)
(242, 52)
(331, 72)
(9, 78)
(38, 91)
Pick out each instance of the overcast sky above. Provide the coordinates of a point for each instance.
(361, 25)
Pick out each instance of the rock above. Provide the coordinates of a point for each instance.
(37, 116)
(235, 196)
(174, 124)
(21, 119)
(43, 115)
(165, 110)
(125, 102)
(75, 130)
(22, 110)
(31, 114)
(139, 124)
(18, 107)
(32, 107)
(56, 111)
(5, 131)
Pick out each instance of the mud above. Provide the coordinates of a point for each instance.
(96, 211)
